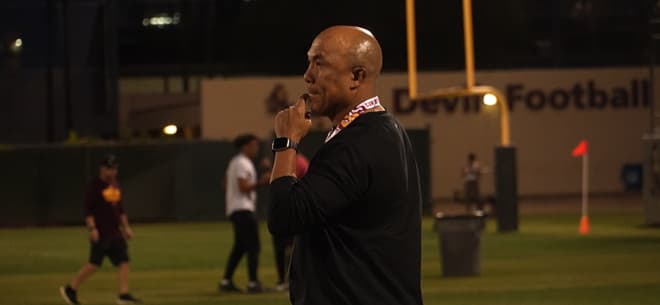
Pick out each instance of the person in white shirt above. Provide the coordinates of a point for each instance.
(241, 184)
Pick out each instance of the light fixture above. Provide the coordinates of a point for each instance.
(490, 99)
(16, 46)
(161, 20)
(170, 129)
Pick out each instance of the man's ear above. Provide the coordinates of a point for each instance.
(359, 74)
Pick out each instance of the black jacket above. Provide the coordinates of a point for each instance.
(357, 218)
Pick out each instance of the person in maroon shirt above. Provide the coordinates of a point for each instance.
(108, 231)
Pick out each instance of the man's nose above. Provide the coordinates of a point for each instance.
(308, 77)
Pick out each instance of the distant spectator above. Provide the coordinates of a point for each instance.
(471, 176)
(240, 191)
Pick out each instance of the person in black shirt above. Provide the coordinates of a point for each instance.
(356, 213)
(104, 215)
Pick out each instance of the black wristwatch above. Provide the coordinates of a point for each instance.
(280, 144)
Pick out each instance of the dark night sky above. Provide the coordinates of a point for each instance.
(271, 36)
(65, 75)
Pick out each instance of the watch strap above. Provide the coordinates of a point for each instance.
(276, 146)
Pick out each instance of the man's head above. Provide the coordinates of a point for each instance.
(344, 63)
(108, 168)
(247, 144)
(472, 157)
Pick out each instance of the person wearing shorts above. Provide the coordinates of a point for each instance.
(108, 227)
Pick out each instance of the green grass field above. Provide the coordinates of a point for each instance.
(547, 262)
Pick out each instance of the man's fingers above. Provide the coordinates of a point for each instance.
(300, 107)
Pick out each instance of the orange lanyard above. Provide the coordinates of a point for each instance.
(354, 114)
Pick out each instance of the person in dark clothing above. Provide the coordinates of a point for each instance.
(280, 245)
(471, 176)
(356, 213)
(472, 173)
(108, 230)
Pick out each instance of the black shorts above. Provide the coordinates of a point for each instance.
(115, 249)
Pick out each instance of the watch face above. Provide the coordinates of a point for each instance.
(280, 143)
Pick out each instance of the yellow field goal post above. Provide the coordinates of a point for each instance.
(491, 94)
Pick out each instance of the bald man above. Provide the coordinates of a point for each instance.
(356, 213)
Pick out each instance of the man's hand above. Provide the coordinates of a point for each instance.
(94, 235)
(128, 233)
(291, 122)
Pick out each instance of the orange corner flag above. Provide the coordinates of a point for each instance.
(581, 149)
(584, 225)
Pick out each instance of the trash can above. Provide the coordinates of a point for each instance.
(460, 239)
(631, 176)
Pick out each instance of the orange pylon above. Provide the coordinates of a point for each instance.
(584, 225)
